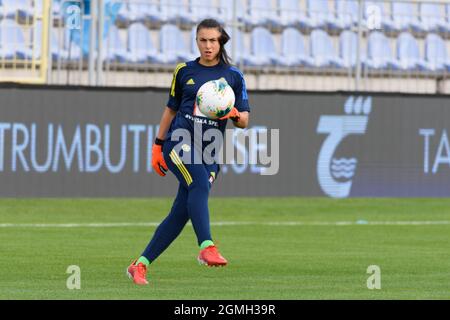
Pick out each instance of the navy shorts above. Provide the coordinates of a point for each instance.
(180, 158)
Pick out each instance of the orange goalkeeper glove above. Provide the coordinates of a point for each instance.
(158, 162)
(233, 115)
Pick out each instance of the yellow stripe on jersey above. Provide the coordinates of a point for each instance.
(174, 80)
(176, 159)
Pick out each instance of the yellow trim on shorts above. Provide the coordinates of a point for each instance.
(176, 159)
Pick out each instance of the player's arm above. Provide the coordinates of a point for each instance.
(173, 105)
(165, 122)
(158, 162)
(241, 110)
(242, 120)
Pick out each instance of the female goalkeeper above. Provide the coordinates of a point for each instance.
(195, 178)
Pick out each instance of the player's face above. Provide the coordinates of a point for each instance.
(208, 45)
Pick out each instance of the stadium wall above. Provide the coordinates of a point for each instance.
(96, 142)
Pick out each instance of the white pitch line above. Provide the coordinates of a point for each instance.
(226, 223)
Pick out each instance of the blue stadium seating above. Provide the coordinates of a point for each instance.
(320, 16)
(259, 16)
(408, 53)
(139, 43)
(432, 17)
(240, 50)
(115, 49)
(56, 7)
(153, 13)
(57, 49)
(290, 15)
(405, 18)
(346, 13)
(226, 11)
(379, 53)
(202, 9)
(447, 24)
(20, 10)
(172, 48)
(124, 16)
(12, 41)
(293, 51)
(323, 53)
(348, 48)
(139, 12)
(263, 52)
(176, 12)
(37, 5)
(59, 53)
(72, 52)
(375, 11)
(436, 53)
(193, 53)
(68, 51)
(261, 13)
(73, 44)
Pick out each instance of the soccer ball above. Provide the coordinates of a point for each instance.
(215, 98)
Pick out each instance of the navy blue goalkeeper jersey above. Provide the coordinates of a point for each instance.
(187, 79)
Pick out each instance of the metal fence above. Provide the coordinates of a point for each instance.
(287, 45)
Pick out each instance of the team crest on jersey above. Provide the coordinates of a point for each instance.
(190, 81)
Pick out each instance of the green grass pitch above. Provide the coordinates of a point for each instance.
(278, 248)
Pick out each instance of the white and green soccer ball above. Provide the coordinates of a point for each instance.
(215, 98)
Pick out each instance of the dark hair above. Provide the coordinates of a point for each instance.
(223, 39)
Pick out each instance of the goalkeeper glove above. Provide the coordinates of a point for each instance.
(233, 115)
(158, 162)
